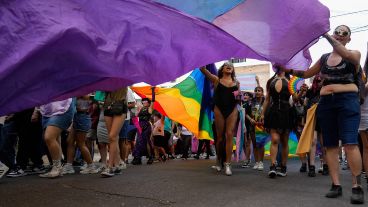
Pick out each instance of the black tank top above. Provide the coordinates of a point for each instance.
(280, 100)
(343, 73)
(144, 114)
(223, 96)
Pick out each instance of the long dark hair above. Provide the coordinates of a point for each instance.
(220, 72)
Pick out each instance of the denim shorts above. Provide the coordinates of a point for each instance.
(125, 130)
(82, 122)
(339, 116)
(62, 121)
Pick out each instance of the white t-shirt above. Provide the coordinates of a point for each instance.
(130, 98)
(158, 128)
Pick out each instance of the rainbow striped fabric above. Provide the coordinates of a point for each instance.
(187, 103)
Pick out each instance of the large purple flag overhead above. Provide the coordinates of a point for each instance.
(275, 29)
(50, 50)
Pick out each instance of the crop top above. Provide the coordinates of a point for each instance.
(343, 73)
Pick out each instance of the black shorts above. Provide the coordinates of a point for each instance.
(110, 112)
(160, 141)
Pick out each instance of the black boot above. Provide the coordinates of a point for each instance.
(136, 161)
(357, 196)
(334, 192)
(325, 169)
(303, 168)
(312, 171)
(150, 161)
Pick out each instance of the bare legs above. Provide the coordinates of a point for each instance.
(113, 125)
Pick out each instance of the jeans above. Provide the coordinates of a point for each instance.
(9, 143)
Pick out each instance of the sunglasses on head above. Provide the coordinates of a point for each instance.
(341, 33)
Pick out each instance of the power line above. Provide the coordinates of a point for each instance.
(350, 13)
(363, 30)
(358, 28)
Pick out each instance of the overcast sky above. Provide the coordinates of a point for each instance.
(354, 21)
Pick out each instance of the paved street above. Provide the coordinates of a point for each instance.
(175, 183)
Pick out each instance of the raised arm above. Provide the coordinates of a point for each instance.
(316, 68)
(214, 79)
(350, 55)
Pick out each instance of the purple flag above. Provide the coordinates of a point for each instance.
(278, 29)
(52, 50)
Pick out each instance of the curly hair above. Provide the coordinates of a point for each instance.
(220, 72)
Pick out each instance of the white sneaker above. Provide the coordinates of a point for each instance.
(56, 171)
(122, 166)
(260, 166)
(108, 172)
(68, 169)
(228, 169)
(90, 169)
(84, 166)
(3, 169)
(217, 167)
(255, 167)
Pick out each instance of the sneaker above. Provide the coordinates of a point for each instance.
(108, 172)
(303, 168)
(260, 166)
(35, 170)
(312, 171)
(122, 166)
(345, 165)
(16, 173)
(282, 172)
(68, 169)
(56, 171)
(137, 161)
(217, 167)
(357, 196)
(90, 169)
(334, 192)
(320, 169)
(196, 157)
(272, 173)
(255, 167)
(246, 164)
(228, 169)
(3, 169)
(102, 168)
(84, 166)
(150, 161)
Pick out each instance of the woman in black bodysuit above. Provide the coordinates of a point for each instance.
(225, 110)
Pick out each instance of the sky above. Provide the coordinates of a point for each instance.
(354, 21)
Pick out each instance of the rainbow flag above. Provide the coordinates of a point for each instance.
(293, 144)
(187, 103)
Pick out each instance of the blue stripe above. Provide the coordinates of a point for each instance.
(204, 9)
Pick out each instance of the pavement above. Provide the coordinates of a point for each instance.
(177, 183)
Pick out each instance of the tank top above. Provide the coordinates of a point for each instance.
(280, 99)
(224, 96)
(343, 73)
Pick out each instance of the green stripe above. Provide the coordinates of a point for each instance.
(188, 88)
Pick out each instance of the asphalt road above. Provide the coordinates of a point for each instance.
(176, 183)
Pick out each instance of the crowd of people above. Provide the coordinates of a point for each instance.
(68, 132)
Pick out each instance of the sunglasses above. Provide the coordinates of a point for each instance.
(341, 33)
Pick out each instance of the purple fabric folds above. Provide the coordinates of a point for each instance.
(52, 50)
(278, 29)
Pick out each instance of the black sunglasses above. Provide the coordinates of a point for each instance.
(341, 33)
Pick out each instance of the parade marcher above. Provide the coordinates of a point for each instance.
(77, 137)
(278, 120)
(253, 114)
(56, 117)
(144, 134)
(225, 110)
(115, 110)
(338, 111)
